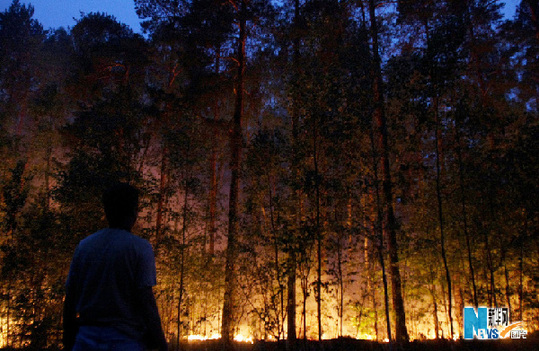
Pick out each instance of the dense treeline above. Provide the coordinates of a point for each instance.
(309, 169)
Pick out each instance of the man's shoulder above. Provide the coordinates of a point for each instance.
(111, 236)
(91, 239)
(135, 239)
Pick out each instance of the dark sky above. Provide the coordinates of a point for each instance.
(57, 13)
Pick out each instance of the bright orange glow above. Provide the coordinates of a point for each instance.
(245, 339)
(3, 332)
(202, 338)
(238, 338)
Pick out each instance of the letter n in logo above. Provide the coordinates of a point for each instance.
(474, 321)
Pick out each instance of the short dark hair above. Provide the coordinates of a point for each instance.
(120, 202)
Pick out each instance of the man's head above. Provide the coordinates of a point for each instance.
(121, 206)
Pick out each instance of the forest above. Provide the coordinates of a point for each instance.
(309, 169)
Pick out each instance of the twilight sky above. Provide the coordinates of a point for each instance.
(61, 13)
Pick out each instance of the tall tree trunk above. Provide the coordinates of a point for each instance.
(318, 234)
(341, 289)
(521, 267)
(305, 269)
(213, 201)
(277, 268)
(438, 149)
(213, 168)
(435, 312)
(379, 233)
(235, 163)
(490, 260)
(507, 286)
(305, 288)
(182, 261)
(401, 333)
(291, 302)
(48, 167)
(464, 214)
(161, 200)
(291, 288)
(9, 341)
(375, 307)
(386, 295)
(438, 142)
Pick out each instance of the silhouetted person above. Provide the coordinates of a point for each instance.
(109, 302)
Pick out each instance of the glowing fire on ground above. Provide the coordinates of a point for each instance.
(241, 338)
(202, 338)
(3, 332)
(249, 339)
(238, 338)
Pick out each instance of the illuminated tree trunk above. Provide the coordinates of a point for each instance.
(380, 119)
(304, 266)
(375, 317)
(213, 169)
(318, 235)
(507, 286)
(521, 268)
(492, 221)
(341, 288)
(183, 253)
(435, 312)
(48, 167)
(280, 313)
(213, 201)
(379, 234)
(438, 141)
(291, 288)
(235, 163)
(161, 199)
(464, 215)
(304, 312)
(291, 302)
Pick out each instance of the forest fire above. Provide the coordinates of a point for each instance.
(365, 337)
(238, 338)
(194, 338)
(307, 169)
(249, 339)
(4, 326)
(245, 339)
(3, 336)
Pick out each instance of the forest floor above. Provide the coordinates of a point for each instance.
(346, 344)
(364, 345)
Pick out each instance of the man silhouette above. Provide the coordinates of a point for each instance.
(109, 303)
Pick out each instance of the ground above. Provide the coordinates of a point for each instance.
(344, 344)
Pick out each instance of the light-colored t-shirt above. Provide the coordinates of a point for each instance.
(108, 269)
